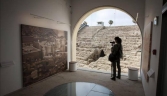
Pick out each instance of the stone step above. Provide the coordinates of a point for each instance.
(131, 39)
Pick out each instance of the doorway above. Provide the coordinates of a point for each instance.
(162, 74)
(103, 30)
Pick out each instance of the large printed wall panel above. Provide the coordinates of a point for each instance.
(44, 53)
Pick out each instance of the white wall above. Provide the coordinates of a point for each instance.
(81, 7)
(153, 8)
(16, 12)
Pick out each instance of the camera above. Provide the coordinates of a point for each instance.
(112, 42)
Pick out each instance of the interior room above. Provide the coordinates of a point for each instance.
(38, 42)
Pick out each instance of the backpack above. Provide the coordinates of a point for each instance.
(115, 57)
(111, 57)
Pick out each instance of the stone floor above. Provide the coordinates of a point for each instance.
(120, 87)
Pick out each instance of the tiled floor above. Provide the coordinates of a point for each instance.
(120, 87)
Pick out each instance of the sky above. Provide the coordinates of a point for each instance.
(119, 18)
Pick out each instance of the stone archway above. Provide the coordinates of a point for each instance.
(74, 41)
(76, 28)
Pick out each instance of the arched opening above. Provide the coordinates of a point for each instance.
(75, 31)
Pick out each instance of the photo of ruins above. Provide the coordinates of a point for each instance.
(94, 47)
(44, 53)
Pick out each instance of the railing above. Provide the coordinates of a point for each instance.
(82, 26)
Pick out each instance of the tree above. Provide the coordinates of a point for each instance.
(110, 22)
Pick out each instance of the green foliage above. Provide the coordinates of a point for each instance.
(110, 22)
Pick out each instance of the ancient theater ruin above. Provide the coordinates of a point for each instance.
(93, 47)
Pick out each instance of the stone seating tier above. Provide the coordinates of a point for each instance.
(90, 38)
